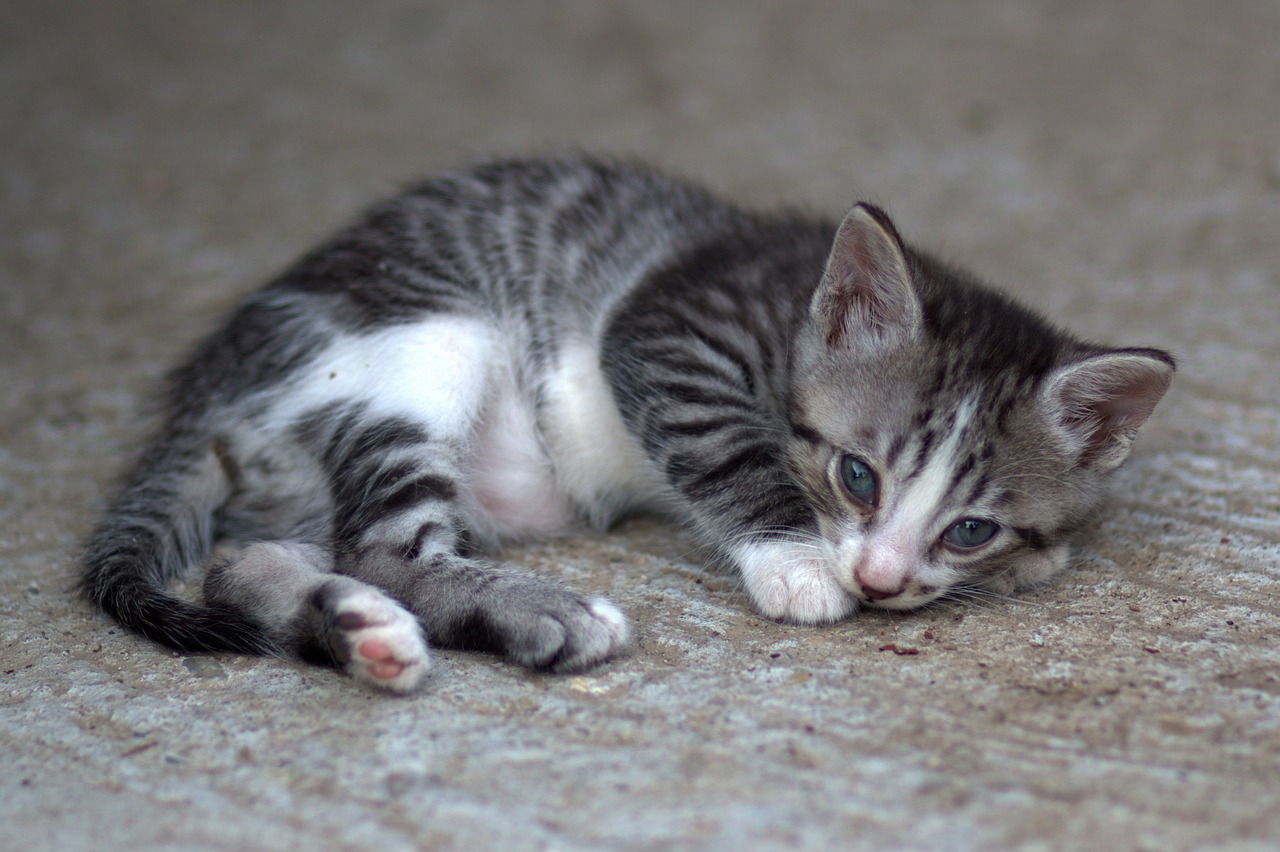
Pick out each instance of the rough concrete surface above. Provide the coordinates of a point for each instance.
(1117, 164)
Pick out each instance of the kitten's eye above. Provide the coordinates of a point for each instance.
(969, 533)
(858, 480)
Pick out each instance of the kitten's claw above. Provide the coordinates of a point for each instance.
(378, 642)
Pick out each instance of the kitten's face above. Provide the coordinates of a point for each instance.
(952, 441)
(926, 480)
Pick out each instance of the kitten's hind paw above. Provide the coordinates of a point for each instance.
(377, 641)
(591, 640)
(557, 629)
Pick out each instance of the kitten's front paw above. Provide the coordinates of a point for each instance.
(377, 641)
(788, 582)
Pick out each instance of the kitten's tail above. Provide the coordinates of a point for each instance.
(160, 525)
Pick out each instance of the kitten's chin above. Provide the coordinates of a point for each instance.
(904, 603)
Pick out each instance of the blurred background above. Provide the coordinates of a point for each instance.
(1116, 164)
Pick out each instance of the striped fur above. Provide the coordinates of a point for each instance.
(509, 351)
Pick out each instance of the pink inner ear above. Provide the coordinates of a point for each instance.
(856, 301)
(1124, 409)
(1111, 396)
(865, 285)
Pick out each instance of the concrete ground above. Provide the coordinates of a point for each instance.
(1118, 164)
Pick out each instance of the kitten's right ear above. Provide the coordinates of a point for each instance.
(866, 291)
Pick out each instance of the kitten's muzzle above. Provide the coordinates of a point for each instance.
(871, 593)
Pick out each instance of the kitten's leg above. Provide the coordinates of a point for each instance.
(477, 605)
(701, 407)
(322, 617)
(397, 494)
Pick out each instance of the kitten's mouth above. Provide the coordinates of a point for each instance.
(901, 601)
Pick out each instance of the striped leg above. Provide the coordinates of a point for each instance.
(696, 392)
(397, 511)
(322, 617)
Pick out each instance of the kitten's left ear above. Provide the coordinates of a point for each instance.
(866, 291)
(1102, 401)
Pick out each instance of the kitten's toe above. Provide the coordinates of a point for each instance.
(378, 642)
(787, 584)
(597, 637)
(804, 599)
(569, 633)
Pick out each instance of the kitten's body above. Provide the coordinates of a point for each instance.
(508, 352)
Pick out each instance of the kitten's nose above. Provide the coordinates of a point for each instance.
(881, 574)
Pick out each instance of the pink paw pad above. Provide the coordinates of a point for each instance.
(387, 646)
(382, 659)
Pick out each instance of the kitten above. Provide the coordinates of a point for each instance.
(506, 352)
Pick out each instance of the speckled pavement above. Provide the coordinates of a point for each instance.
(1116, 164)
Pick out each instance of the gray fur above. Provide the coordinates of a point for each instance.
(438, 376)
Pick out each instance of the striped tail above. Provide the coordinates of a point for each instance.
(159, 527)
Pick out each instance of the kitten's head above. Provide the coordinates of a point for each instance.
(946, 437)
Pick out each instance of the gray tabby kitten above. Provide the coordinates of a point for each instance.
(506, 352)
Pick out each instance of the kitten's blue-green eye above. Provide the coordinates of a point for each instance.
(858, 480)
(971, 532)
